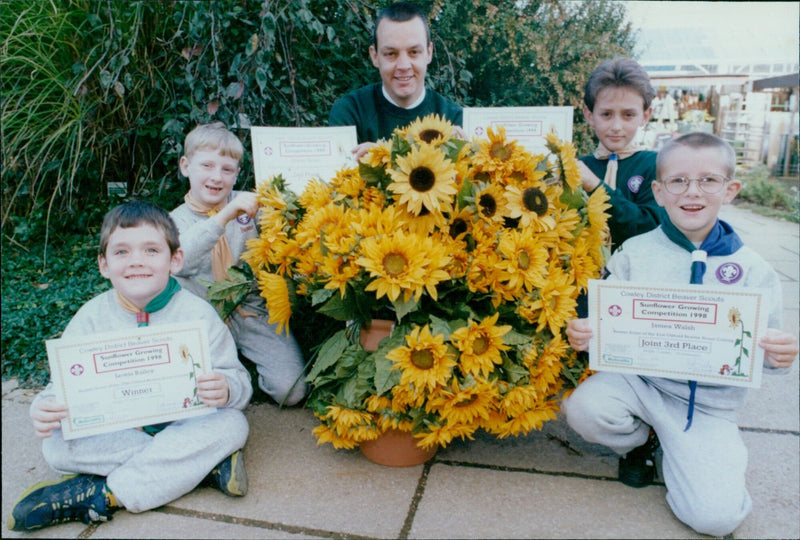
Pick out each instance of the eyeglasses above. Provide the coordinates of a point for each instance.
(711, 183)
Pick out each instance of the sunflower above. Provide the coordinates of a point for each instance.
(347, 184)
(490, 202)
(553, 304)
(443, 434)
(734, 317)
(378, 155)
(497, 154)
(270, 196)
(395, 263)
(569, 165)
(274, 291)
(325, 434)
(425, 178)
(519, 399)
(425, 362)
(524, 260)
(340, 271)
(463, 404)
(460, 224)
(596, 208)
(481, 345)
(423, 224)
(527, 421)
(530, 204)
(315, 195)
(432, 129)
(582, 266)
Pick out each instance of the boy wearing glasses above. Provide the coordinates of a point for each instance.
(704, 457)
(215, 224)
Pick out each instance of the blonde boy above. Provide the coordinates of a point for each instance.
(143, 468)
(695, 424)
(215, 223)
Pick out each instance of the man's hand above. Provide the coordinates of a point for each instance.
(213, 389)
(47, 415)
(362, 149)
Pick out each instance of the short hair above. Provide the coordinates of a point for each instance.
(133, 214)
(619, 72)
(697, 140)
(400, 12)
(213, 136)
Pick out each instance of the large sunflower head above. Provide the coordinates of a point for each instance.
(490, 202)
(531, 205)
(424, 177)
(481, 345)
(432, 129)
(395, 263)
(425, 362)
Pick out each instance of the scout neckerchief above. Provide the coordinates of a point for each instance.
(221, 257)
(161, 300)
(721, 240)
(613, 158)
(143, 319)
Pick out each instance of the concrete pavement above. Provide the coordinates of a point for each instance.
(549, 484)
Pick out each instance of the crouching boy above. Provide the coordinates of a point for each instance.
(695, 424)
(143, 468)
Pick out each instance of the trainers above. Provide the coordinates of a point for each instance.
(78, 497)
(638, 467)
(230, 476)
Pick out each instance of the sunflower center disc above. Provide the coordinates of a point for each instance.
(422, 359)
(422, 179)
(488, 205)
(500, 151)
(479, 345)
(430, 135)
(534, 200)
(394, 264)
(523, 260)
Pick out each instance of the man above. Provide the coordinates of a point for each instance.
(401, 50)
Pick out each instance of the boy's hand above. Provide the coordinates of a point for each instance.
(245, 202)
(780, 348)
(359, 150)
(212, 389)
(46, 415)
(579, 332)
(589, 180)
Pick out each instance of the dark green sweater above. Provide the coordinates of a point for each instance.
(375, 118)
(633, 208)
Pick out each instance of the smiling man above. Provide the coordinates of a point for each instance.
(401, 50)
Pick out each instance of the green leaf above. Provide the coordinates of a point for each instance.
(321, 295)
(338, 308)
(404, 308)
(385, 377)
(748, 334)
(440, 326)
(746, 352)
(516, 339)
(329, 354)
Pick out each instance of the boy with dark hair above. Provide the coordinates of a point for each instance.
(143, 468)
(617, 101)
(401, 50)
(695, 423)
(215, 224)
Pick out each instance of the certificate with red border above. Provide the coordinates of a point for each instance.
(137, 377)
(691, 332)
(302, 153)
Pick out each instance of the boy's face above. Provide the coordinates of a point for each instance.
(211, 176)
(402, 56)
(694, 212)
(617, 114)
(138, 262)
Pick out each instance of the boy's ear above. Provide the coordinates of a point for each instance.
(732, 190)
(646, 116)
(587, 114)
(102, 264)
(183, 164)
(176, 261)
(658, 192)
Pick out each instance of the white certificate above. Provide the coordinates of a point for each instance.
(302, 153)
(528, 125)
(691, 332)
(118, 380)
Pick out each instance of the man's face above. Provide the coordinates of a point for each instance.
(402, 55)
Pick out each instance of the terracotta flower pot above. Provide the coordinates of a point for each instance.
(396, 448)
(372, 333)
(393, 448)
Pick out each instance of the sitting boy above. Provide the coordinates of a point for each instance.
(140, 469)
(704, 456)
(215, 224)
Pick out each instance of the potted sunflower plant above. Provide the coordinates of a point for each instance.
(472, 252)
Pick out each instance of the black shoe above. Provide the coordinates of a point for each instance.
(638, 467)
(77, 497)
(230, 476)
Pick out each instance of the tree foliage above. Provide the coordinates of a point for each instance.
(99, 91)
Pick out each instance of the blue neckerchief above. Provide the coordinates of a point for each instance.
(721, 240)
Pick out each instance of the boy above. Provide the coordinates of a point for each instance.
(617, 101)
(140, 469)
(704, 457)
(215, 224)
